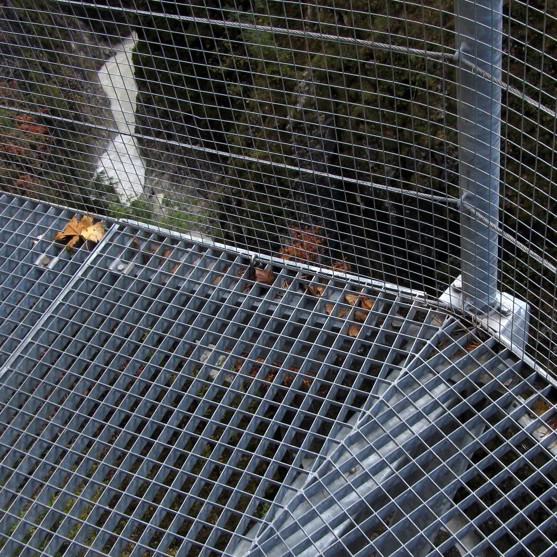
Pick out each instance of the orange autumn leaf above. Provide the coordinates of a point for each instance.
(266, 276)
(540, 407)
(367, 303)
(353, 330)
(343, 312)
(472, 345)
(81, 229)
(351, 299)
(94, 232)
(360, 316)
(71, 229)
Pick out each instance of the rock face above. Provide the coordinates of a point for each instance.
(54, 112)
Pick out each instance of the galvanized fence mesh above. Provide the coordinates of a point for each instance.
(257, 357)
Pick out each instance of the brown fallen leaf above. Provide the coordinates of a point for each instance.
(284, 286)
(136, 243)
(217, 280)
(367, 303)
(343, 312)
(540, 407)
(351, 299)
(265, 276)
(315, 290)
(81, 229)
(167, 252)
(353, 330)
(154, 248)
(175, 268)
(360, 316)
(71, 229)
(329, 308)
(94, 232)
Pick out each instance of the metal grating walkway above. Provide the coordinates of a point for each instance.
(166, 403)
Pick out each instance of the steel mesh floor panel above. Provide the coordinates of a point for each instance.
(449, 462)
(177, 401)
(33, 269)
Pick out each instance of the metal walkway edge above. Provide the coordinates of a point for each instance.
(158, 400)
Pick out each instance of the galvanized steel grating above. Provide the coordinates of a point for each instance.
(170, 404)
(33, 270)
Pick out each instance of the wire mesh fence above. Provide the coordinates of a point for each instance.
(254, 359)
(318, 132)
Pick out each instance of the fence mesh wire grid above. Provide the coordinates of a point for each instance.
(278, 278)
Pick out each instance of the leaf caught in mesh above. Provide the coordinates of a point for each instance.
(265, 276)
(167, 252)
(329, 308)
(315, 290)
(351, 299)
(540, 407)
(81, 229)
(353, 330)
(343, 312)
(71, 229)
(367, 303)
(360, 316)
(94, 232)
(175, 268)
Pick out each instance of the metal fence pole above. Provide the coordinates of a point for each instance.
(479, 26)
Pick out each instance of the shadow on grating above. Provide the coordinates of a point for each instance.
(171, 405)
(33, 269)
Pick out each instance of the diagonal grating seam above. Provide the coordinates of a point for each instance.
(62, 294)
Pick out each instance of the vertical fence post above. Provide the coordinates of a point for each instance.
(479, 26)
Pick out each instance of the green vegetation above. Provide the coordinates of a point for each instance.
(51, 114)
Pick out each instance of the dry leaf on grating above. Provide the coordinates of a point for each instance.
(360, 316)
(315, 290)
(84, 229)
(266, 276)
(367, 303)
